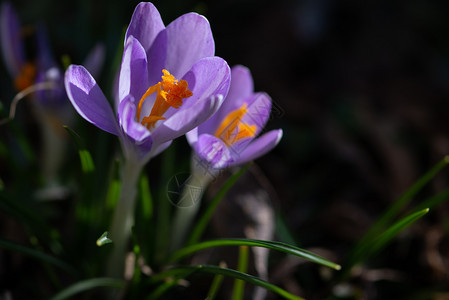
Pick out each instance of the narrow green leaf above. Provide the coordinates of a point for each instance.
(147, 200)
(399, 204)
(207, 215)
(114, 187)
(87, 163)
(238, 289)
(373, 246)
(433, 201)
(182, 272)
(282, 247)
(394, 230)
(8, 245)
(88, 284)
(216, 284)
(103, 240)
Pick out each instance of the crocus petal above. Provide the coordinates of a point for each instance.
(208, 77)
(127, 120)
(95, 60)
(259, 146)
(88, 99)
(259, 108)
(189, 39)
(192, 137)
(158, 149)
(133, 71)
(212, 150)
(241, 88)
(146, 26)
(187, 119)
(10, 37)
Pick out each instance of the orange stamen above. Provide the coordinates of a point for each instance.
(170, 93)
(26, 77)
(232, 129)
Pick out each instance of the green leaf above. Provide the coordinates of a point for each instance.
(8, 245)
(282, 247)
(216, 284)
(87, 164)
(147, 200)
(394, 230)
(207, 215)
(399, 204)
(88, 284)
(182, 272)
(242, 266)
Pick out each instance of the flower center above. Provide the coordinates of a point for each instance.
(26, 77)
(169, 93)
(232, 128)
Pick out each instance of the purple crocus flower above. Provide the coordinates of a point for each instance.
(169, 83)
(229, 138)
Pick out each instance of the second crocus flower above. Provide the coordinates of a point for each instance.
(229, 138)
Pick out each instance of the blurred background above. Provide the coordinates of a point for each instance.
(361, 90)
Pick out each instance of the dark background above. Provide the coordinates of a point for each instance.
(361, 90)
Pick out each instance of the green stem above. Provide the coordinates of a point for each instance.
(123, 218)
(189, 203)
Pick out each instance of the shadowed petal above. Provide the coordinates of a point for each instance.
(127, 120)
(241, 88)
(192, 137)
(139, 137)
(212, 150)
(10, 38)
(133, 72)
(95, 60)
(259, 108)
(88, 99)
(259, 146)
(189, 39)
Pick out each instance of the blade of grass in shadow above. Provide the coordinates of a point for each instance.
(216, 284)
(207, 215)
(433, 201)
(180, 272)
(394, 230)
(88, 284)
(8, 245)
(238, 289)
(396, 207)
(87, 164)
(282, 247)
(376, 244)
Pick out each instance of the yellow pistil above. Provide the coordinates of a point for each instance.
(26, 77)
(170, 93)
(232, 129)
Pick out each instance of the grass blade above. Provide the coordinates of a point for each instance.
(242, 266)
(187, 270)
(8, 245)
(88, 284)
(278, 246)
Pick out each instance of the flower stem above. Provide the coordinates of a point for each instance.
(190, 198)
(123, 218)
